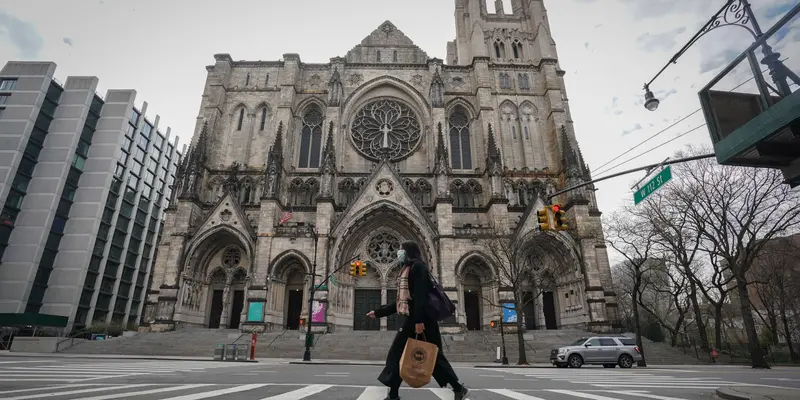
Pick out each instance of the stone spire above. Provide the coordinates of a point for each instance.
(328, 166)
(573, 167)
(274, 170)
(442, 163)
(437, 90)
(441, 167)
(195, 166)
(494, 166)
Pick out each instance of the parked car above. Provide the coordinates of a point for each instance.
(608, 351)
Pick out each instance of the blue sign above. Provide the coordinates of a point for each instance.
(509, 313)
(255, 312)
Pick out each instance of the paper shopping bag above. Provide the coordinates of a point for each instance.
(417, 362)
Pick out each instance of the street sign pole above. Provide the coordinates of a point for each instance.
(654, 184)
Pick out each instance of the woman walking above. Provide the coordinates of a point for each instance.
(413, 286)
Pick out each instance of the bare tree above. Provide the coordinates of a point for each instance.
(623, 286)
(773, 278)
(667, 301)
(680, 243)
(523, 267)
(635, 240)
(736, 211)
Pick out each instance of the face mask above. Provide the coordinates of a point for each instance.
(401, 256)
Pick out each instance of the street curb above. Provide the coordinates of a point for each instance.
(514, 366)
(727, 393)
(363, 364)
(121, 357)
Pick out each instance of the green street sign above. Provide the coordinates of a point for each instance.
(654, 184)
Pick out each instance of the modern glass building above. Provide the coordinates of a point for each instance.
(84, 181)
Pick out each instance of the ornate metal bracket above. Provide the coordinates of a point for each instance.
(737, 13)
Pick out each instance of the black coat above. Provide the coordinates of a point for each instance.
(419, 285)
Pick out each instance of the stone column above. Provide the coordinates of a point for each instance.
(226, 294)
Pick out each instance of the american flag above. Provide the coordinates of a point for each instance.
(286, 217)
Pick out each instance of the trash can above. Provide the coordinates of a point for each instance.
(230, 352)
(219, 352)
(242, 353)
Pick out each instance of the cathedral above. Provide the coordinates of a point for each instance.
(296, 169)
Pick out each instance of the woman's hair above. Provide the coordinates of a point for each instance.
(413, 252)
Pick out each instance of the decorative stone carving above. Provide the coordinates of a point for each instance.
(315, 80)
(384, 187)
(382, 248)
(225, 215)
(437, 90)
(386, 124)
(416, 80)
(335, 89)
(458, 82)
(355, 79)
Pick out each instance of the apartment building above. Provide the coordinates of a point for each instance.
(84, 181)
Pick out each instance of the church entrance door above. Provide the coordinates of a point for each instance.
(394, 322)
(472, 307)
(216, 309)
(366, 300)
(294, 309)
(236, 309)
(529, 310)
(549, 306)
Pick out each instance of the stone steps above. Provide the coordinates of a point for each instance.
(475, 347)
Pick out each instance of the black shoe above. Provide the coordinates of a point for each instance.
(461, 394)
(392, 398)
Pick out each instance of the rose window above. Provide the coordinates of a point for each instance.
(382, 248)
(231, 257)
(386, 124)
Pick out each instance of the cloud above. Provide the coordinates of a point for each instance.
(22, 34)
(68, 41)
(660, 8)
(718, 60)
(659, 42)
(635, 128)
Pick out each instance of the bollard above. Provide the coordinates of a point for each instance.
(498, 353)
(253, 346)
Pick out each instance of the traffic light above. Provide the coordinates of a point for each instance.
(544, 219)
(492, 324)
(560, 217)
(353, 269)
(363, 268)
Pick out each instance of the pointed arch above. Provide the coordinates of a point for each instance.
(476, 257)
(378, 214)
(347, 191)
(220, 236)
(458, 122)
(311, 124)
(281, 259)
(263, 114)
(460, 101)
(303, 106)
(417, 101)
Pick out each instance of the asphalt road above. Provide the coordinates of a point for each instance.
(100, 379)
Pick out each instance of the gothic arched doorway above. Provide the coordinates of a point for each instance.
(367, 297)
(217, 289)
(472, 301)
(288, 283)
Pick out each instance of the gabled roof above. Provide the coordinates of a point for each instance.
(227, 212)
(389, 37)
(384, 184)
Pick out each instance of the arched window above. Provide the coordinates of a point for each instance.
(513, 132)
(247, 80)
(500, 49)
(347, 192)
(311, 138)
(296, 195)
(466, 194)
(517, 47)
(378, 57)
(311, 192)
(394, 56)
(266, 80)
(241, 119)
(460, 150)
(245, 193)
(424, 196)
(263, 123)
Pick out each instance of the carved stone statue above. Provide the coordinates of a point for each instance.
(335, 89)
(437, 90)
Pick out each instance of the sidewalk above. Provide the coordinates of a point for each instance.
(6, 353)
(757, 393)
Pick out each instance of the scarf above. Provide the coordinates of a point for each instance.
(403, 295)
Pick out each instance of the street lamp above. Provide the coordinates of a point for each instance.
(311, 233)
(733, 13)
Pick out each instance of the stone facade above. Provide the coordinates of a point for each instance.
(382, 145)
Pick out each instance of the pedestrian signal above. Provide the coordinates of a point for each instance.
(544, 219)
(560, 217)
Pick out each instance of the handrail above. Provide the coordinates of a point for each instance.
(276, 338)
(71, 339)
(319, 337)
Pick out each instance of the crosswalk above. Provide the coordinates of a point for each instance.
(73, 372)
(267, 391)
(619, 379)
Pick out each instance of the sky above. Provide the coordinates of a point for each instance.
(608, 48)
